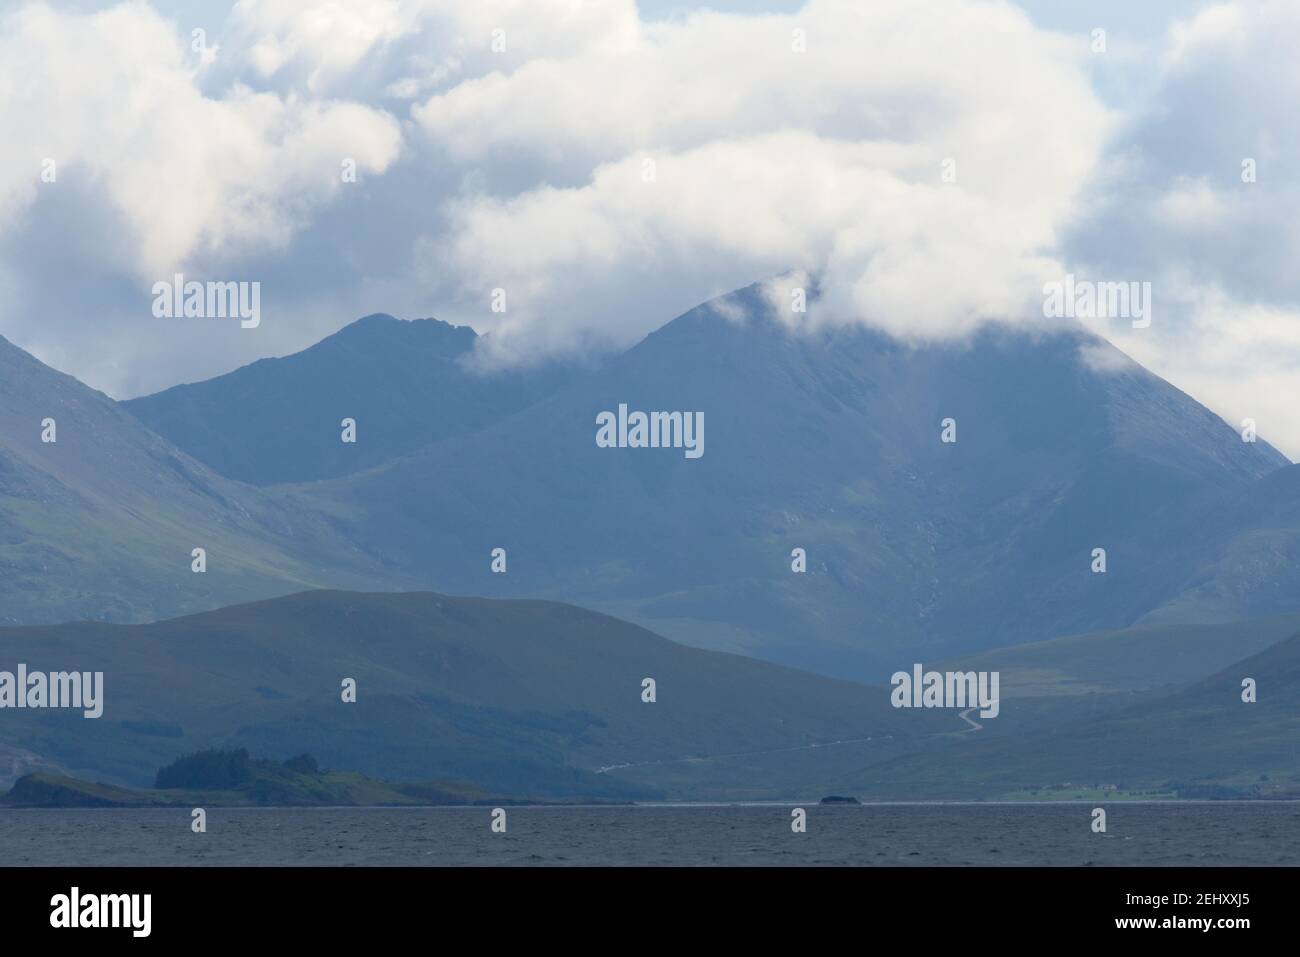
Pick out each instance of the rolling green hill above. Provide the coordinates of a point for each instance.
(526, 698)
(540, 700)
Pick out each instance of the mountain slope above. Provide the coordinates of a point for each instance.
(1143, 658)
(829, 441)
(524, 698)
(101, 523)
(1199, 740)
(406, 384)
(1243, 552)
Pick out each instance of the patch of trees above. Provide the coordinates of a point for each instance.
(303, 764)
(215, 769)
(207, 769)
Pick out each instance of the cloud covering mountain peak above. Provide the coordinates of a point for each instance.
(931, 164)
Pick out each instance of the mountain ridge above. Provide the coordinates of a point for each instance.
(406, 384)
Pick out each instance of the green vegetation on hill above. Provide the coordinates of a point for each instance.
(207, 769)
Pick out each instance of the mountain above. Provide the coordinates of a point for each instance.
(830, 440)
(825, 439)
(101, 523)
(406, 385)
(977, 552)
(525, 698)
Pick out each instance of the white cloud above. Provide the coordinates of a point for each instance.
(1191, 204)
(766, 159)
(112, 99)
(1240, 359)
(325, 40)
(1174, 208)
(330, 45)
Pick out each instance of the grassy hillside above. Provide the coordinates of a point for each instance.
(1055, 697)
(1142, 658)
(1199, 740)
(541, 700)
(101, 523)
(519, 697)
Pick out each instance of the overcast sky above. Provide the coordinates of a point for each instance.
(219, 155)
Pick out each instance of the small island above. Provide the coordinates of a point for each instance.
(838, 799)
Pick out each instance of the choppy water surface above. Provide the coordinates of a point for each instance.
(1212, 833)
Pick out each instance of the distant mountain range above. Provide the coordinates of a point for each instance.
(831, 442)
(826, 440)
